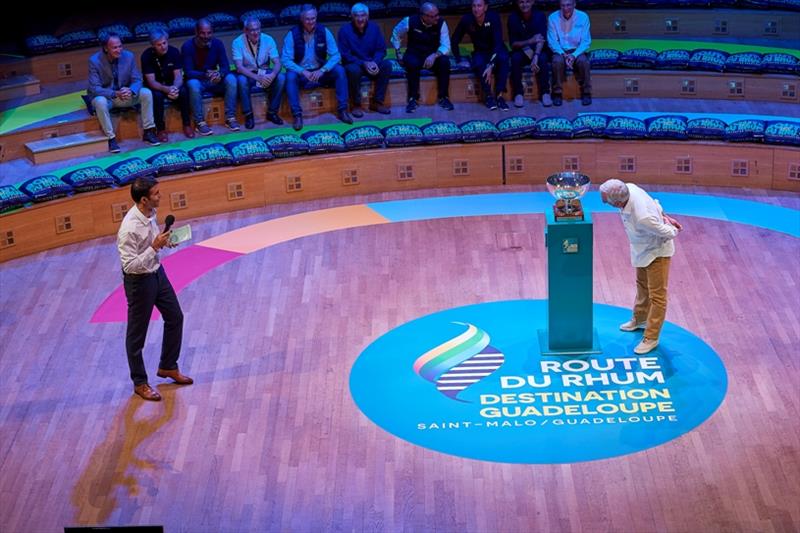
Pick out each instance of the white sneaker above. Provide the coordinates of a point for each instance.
(632, 325)
(546, 100)
(646, 346)
(519, 101)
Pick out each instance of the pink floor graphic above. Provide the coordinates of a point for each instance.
(183, 267)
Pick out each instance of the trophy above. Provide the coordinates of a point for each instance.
(567, 188)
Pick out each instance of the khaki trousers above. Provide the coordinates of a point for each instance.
(651, 296)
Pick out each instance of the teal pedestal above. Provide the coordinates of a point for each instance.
(570, 320)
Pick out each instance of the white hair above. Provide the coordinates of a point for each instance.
(615, 190)
(359, 8)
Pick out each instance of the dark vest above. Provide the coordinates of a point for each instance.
(421, 40)
(320, 44)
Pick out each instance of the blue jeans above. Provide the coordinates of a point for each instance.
(227, 87)
(274, 93)
(296, 81)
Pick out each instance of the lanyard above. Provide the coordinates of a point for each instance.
(254, 53)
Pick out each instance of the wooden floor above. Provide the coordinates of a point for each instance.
(268, 438)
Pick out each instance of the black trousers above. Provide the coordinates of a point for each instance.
(413, 62)
(479, 62)
(518, 61)
(356, 70)
(160, 99)
(143, 292)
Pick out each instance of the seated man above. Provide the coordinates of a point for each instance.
(489, 55)
(364, 53)
(527, 28)
(252, 52)
(428, 46)
(161, 66)
(311, 58)
(206, 66)
(569, 38)
(115, 81)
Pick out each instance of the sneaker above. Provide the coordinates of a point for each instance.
(150, 137)
(646, 346)
(188, 131)
(491, 103)
(586, 99)
(249, 121)
(378, 107)
(412, 105)
(501, 103)
(274, 118)
(519, 101)
(113, 146)
(546, 100)
(445, 103)
(344, 116)
(203, 129)
(557, 100)
(297, 124)
(632, 325)
(163, 136)
(232, 124)
(357, 111)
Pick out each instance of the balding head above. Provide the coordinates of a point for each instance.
(614, 192)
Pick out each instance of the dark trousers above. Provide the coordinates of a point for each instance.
(519, 60)
(356, 70)
(143, 293)
(333, 78)
(413, 61)
(479, 62)
(582, 70)
(159, 101)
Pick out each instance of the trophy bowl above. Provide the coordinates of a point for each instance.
(568, 188)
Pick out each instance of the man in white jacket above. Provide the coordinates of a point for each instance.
(651, 233)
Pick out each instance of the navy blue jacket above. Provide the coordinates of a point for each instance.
(358, 48)
(217, 59)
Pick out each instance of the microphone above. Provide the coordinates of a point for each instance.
(168, 222)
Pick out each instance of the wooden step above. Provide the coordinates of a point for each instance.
(66, 147)
(19, 87)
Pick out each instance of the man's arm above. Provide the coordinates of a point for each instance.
(458, 35)
(187, 52)
(497, 34)
(127, 244)
(398, 34)
(287, 55)
(380, 49)
(222, 58)
(346, 46)
(96, 82)
(334, 57)
(586, 39)
(552, 36)
(136, 77)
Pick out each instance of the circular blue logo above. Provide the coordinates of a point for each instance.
(472, 382)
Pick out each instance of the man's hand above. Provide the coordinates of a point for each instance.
(313, 75)
(569, 59)
(398, 55)
(213, 76)
(173, 92)
(124, 94)
(371, 67)
(430, 60)
(535, 63)
(487, 73)
(669, 220)
(161, 241)
(264, 80)
(464, 63)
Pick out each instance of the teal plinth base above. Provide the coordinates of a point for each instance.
(544, 343)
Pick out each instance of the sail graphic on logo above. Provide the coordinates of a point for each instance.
(460, 362)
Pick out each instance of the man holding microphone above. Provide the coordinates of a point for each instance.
(139, 241)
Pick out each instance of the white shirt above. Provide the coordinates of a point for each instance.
(563, 34)
(134, 239)
(650, 235)
(401, 30)
(256, 56)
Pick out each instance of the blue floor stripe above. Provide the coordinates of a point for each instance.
(771, 217)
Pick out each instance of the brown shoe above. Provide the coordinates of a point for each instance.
(147, 392)
(162, 136)
(188, 131)
(380, 108)
(175, 375)
(357, 111)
